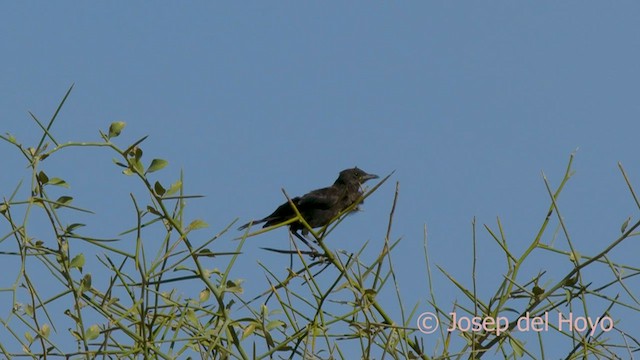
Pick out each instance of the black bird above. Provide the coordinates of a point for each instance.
(320, 206)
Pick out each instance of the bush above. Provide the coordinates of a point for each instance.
(130, 303)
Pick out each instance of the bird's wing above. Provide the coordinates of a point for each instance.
(324, 198)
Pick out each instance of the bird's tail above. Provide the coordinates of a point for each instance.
(252, 222)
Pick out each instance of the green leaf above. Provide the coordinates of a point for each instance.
(625, 224)
(92, 332)
(234, 287)
(575, 256)
(77, 261)
(136, 164)
(44, 180)
(269, 339)
(75, 334)
(370, 293)
(248, 330)
(45, 330)
(153, 210)
(175, 187)
(191, 315)
(318, 331)
(74, 226)
(62, 200)
(85, 283)
(157, 164)
(42, 177)
(571, 281)
(159, 189)
(139, 166)
(136, 152)
(116, 128)
(57, 182)
(206, 253)
(197, 224)
(204, 295)
(12, 139)
(537, 291)
(516, 345)
(274, 324)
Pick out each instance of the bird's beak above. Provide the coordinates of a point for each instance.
(369, 177)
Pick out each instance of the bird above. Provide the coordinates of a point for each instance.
(320, 206)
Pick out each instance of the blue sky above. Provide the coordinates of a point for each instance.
(467, 102)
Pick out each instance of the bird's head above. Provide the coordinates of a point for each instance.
(354, 175)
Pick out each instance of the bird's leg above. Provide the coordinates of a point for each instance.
(314, 252)
(303, 240)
